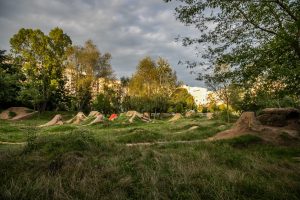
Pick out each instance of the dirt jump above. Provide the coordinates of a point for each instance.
(136, 115)
(17, 113)
(80, 117)
(190, 113)
(249, 124)
(97, 120)
(94, 114)
(176, 117)
(56, 120)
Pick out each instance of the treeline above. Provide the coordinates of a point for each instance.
(152, 88)
(47, 72)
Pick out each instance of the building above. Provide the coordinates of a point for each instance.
(199, 94)
(97, 85)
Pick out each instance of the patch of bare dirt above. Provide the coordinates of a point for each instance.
(176, 117)
(80, 117)
(248, 124)
(56, 120)
(17, 113)
(136, 115)
(190, 113)
(94, 114)
(97, 120)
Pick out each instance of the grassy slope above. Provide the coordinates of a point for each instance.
(67, 162)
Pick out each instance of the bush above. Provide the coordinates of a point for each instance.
(155, 104)
(107, 102)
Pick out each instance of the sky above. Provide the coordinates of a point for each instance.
(128, 29)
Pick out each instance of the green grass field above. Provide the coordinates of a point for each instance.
(94, 162)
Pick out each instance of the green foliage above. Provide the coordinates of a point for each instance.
(150, 88)
(263, 99)
(42, 59)
(154, 104)
(108, 102)
(85, 67)
(257, 40)
(181, 101)
(11, 114)
(10, 81)
(152, 78)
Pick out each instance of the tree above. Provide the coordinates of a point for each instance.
(152, 78)
(144, 82)
(42, 59)
(166, 76)
(86, 67)
(181, 101)
(108, 101)
(255, 38)
(219, 82)
(10, 80)
(153, 83)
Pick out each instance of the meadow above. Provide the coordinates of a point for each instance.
(95, 162)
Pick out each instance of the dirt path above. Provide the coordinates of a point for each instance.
(166, 142)
(22, 143)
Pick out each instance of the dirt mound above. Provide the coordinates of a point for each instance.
(17, 113)
(193, 128)
(190, 113)
(248, 124)
(176, 117)
(280, 117)
(209, 115)
(56, 120)
(97, 120)
(136, 115)
(80, 117)
(94, 114)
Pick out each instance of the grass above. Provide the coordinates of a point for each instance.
(92, 162)
(11, 114)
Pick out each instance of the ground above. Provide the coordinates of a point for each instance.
(95, 162)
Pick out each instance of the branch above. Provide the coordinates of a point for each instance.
(254, 24)
(285, 8)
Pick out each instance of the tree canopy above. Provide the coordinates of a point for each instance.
(259, 40)
(85, 66)
(10, 80)
(153, 78)
(41, 57)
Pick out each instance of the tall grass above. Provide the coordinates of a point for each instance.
(74, 162)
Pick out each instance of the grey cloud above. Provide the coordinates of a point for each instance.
(128, 29)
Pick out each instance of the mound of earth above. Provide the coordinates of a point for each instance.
(280, 117)
(209, 115)
(97, 120)
(190, 113)
(80, 117)
(248, 124)
(17, 113)
(193, 128)
(136, 115)
(176, 117)
(94, 114)
(56, 120)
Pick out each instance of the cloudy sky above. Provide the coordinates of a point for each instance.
(128, 29)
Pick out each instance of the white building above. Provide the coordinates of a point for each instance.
(199, 94)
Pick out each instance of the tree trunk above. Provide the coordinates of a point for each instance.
(43, 106)
(227, 109)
